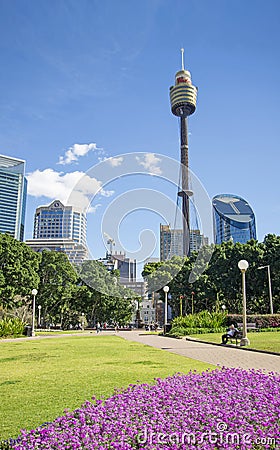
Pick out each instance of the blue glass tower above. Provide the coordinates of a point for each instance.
(13, 189)
(234, 219)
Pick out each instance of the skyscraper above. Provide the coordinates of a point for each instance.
(234, 219)
(60, 228)
(171, 242)
(13, 189)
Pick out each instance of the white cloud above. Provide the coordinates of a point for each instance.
(114, 162)
(75, 188)
(150, 163)
(92, 209)
(76, 151)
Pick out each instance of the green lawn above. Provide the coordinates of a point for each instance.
(39, 379)
(269, 341)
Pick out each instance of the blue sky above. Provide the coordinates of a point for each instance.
(86, 80)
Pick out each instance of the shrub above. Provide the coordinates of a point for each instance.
(203, 319)
(11, 326)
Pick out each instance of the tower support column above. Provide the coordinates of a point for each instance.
(184, 193)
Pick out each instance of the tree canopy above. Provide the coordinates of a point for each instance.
(220, 283)
(64, 293)
(18, 271)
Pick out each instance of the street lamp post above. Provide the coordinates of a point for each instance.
(181, 306)
(192, 303)
(34, 293)
(39, 315)
(269, 286)
(243, 266)
(165, 290)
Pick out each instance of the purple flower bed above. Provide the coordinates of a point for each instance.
(220, 409)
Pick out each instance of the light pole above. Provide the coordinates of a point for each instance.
(192, 303)
(39, 315)
(34, 293)
(165, 290)
(181, 306)
(224, 308)
(83, 321)
(269, 286)
(243, 266)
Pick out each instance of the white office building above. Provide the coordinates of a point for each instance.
(60, 228)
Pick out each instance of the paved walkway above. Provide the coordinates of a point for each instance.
(212, 354)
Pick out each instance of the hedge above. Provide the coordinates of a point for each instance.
(261, 320)
(177, 331)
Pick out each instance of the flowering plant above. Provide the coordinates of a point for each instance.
(222, 409)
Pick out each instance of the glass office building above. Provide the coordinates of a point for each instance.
(56, 221)
(234, 219)
(13, 190)
(60, 228)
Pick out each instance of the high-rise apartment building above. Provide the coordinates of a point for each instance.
(13, 189)
(60, 228)
(234, 219)
(171, 242)
(197, 240)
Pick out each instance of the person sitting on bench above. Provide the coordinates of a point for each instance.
(231, 332)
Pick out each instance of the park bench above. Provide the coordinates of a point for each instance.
(238, 336)
(250, 326)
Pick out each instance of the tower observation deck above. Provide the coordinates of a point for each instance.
(183, 103)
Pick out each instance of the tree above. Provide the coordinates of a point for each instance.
(162, 273)
(271, 256)
(220, 283)
(57, 283)
(106, 299)
(18, 271)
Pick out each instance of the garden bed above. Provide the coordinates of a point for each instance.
(180, 412)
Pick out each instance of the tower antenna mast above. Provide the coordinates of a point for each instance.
(183, 103)
(182, 55)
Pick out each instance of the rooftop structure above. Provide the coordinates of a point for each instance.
(119, 261)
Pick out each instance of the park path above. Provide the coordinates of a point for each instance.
(227, 356)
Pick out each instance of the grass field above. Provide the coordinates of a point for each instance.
(269, 341)
(39, 379)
